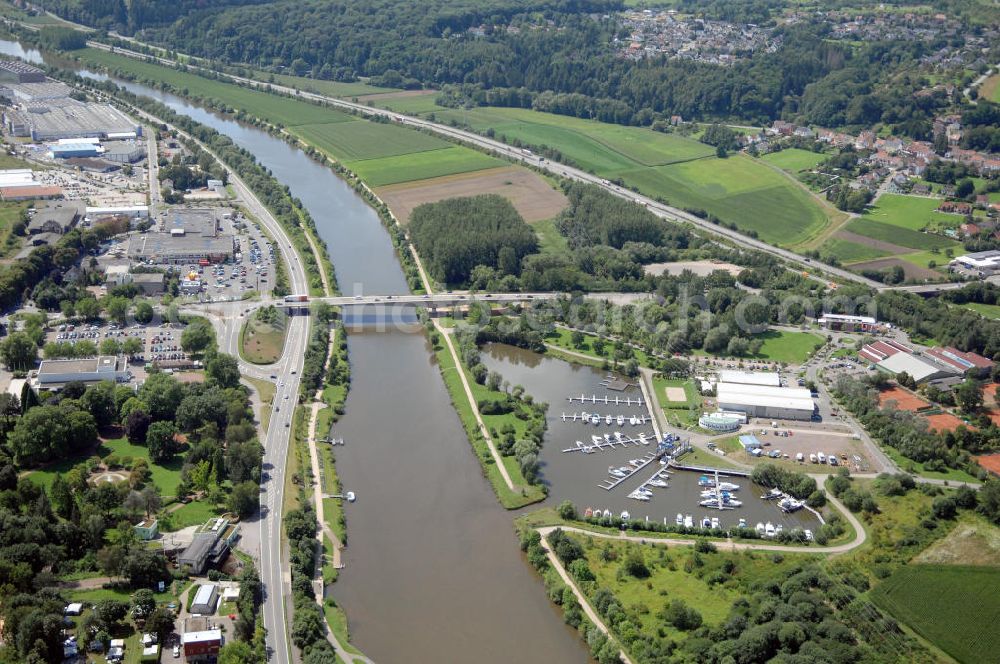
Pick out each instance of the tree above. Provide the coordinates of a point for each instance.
(99, 401)
(969, 396)
(45, 432)
(110, 347)
(88, 308)
(965, 188)
(681, 616)
(243, 498)
(151, 501)
(239, 652)
(989, 500)
(944, 508)
(110, 612)
(576, 338)
(635, 565)
(143, 312)
(143, 568)
(160, 622)
(197, 337)
(18, 352)
(162, 394)
(116, 308)
(136, 425)
(143, 602)
(223, 370)
(131, 346)
(567, 510)
(160, 441)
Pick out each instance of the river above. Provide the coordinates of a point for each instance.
(576, 476)
(433, 571)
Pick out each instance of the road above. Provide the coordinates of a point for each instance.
(288, 369)
(525, 157)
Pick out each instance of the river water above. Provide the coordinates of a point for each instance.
(433, 570)
(577, 477)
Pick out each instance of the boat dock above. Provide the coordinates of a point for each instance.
(612, 482)
(586, 417)
(609, 441)
(616, 400)
(709, 471)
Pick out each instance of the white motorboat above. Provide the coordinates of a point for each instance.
(743, 522)
(715, 522)
(680, 519)
(607, 513)
(635, 495)
(619, 436)
(608, 420)
(351, 497)
(773, 494)
(809, 535)
(595, 419)
(615, 472)
(729, 486)
(706, 522)
(597, 440)
(633, 421)
(768, 529)
(642, 439)
(621, 420)
(657, 482)
(635, 463)
(789, 504)
(607, 438)
(625, 515)
(759, 528)
(688, 521)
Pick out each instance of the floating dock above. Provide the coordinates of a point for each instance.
(613, 482)
(585, 418)
(616, 400)
(706, 470)
(609, 441)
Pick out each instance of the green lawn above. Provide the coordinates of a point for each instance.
(954, 607)
(950, 474)
(905, 237)
(348, 141)
(852, 252)
(550, 240)
(678, 413)
(987, 310)
(794, 160)
(926, 258)
(414, 105)
(783, 346)
(329, 88)
(10, 213)
(194, 513)
(262, 342)
(562, 338)
(422, 165)
(912, 212)
(166, 477)
(275, 109)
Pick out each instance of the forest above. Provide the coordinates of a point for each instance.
(553, 55)
(457, 234)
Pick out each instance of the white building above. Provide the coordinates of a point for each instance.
(54, 374)
(770, 378)
(981, 263)
(205, 599)
(786, 403)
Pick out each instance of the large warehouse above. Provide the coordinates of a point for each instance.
(785, 403)
(750, 377)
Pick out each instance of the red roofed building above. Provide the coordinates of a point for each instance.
(880, 350)
(960, 360)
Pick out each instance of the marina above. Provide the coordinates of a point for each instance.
(625, 473)
(597, 418)
(608, 442)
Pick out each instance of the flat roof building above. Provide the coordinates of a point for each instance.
(751, 377)
(920, 369)
(57, 218)
(202, 645)
(180, 249)
(192, 221)
(983, 263)
(19, 71)
(787, 403)
(53, 119)
(845, 323)
(961, 361)
(54, 374)
(205, 599)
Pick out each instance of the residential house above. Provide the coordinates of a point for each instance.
(921, 189)
(955, 207)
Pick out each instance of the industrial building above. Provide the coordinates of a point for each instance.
(845, 323)
(18, 71)
(124, 152)
(786, 403)
(19, 184)
(210, 545)
(980, 263)
(54, 374)
(59, 218)
(770, 378)
(180, 249)
(67, 118)
(938, 365)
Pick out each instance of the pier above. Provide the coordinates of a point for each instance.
(616, 400)
(609, 441)
(612, 482)
(706, 470)
(585, 417)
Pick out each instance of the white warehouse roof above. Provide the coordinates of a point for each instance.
(751, 377)
(918, 368)
(797, 398)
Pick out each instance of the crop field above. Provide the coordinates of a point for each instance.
(852, 252)
(954, 607)
(737, 189)
(360, 139)
(794, 160)
(605, 146)
(411, 102)
(899, 235)
(275, 109)
(912, 212)
(422, 165)
(329, 88)
(533, 197)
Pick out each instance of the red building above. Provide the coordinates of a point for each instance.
(202, 646)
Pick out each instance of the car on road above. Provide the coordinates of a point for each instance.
(177, 651)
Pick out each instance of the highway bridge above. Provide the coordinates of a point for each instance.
(437, 299)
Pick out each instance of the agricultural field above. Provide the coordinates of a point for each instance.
(952, 606)
(411, 102)
(852, 252)
(360, 139)
(533, 197)
(794, 160)
(329, 88)
(739, 190)
(422, 165)
(912, 212)
(974, 541)
(899, 235)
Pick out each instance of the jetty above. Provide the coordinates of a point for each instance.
(616, 400)
(331, 441)
(609, 442)
(706, 470)
(612, 482)
(585, 417)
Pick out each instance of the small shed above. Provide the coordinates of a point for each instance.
(74, 609)
(205, 599)
(147, 529)
(750, 442)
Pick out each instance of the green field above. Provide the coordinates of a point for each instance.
(790, 347)
(10, 213)
(952, 606)
(550, 240)
(851, 252)
(736, 189)
(912, 212)
(987, 310)
(794, 160)
(413, 105)
(194, 513)
(350, 141)
(422, 165)
(275, 109)
(329, 88)
(262, 342)
(905, 237)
